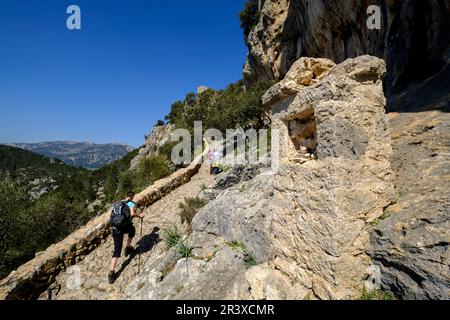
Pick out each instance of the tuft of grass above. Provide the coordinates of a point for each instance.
(179, 289)
(402, 194)
(249, 261)
(172, 236)
(385, 215)
(203, 187)
(235, 245)
(377, 295)
(184, 249)
(189, 208)
(242, 188)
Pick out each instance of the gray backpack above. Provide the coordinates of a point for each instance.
(120, 215)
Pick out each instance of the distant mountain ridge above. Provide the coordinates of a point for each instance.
(79, 154)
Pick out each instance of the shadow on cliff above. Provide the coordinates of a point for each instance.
(430, 94)
(145, 244)
(414, 45)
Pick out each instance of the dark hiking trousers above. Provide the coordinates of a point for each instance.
(117, 235)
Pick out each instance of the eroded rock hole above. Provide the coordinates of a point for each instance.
(303, 133)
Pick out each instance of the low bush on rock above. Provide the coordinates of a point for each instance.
(377, 295)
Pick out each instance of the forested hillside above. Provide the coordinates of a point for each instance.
(42, 200)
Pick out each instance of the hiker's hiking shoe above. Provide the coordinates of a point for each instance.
(128, 251)
(111, 277)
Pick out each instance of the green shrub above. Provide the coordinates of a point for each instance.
(110, 177)
(166, 149)
(171, 236)
(150, 170)
(377, 295)
(225, 109)
(176, 112)
(249, 16)
(28, 227)
(127, 182)
(12, 196)
(386, 214)
(189, 208)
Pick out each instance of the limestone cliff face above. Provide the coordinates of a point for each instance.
(413, 39)
(410, 242)
(334, 177)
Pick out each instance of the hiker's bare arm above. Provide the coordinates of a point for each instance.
(135, 214)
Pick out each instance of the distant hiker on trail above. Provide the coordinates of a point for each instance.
(216, 166)
(121, 221)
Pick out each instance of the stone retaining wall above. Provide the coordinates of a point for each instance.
(30, 279)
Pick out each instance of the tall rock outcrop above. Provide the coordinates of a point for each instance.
(334, 177)
(413, 38)
(157, 138)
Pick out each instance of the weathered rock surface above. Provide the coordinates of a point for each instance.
(237, 174)
(322, 209)
(413, 38)
(229, 235)
(304, 72)
(240, 214)
(412, 243)
(158, 137)
(192, 278)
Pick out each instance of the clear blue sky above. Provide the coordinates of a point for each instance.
(127, 64)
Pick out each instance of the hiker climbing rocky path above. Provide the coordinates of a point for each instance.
(93, 269)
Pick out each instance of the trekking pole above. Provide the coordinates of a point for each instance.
(139, 258)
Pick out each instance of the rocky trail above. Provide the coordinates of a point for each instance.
(93, 269)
